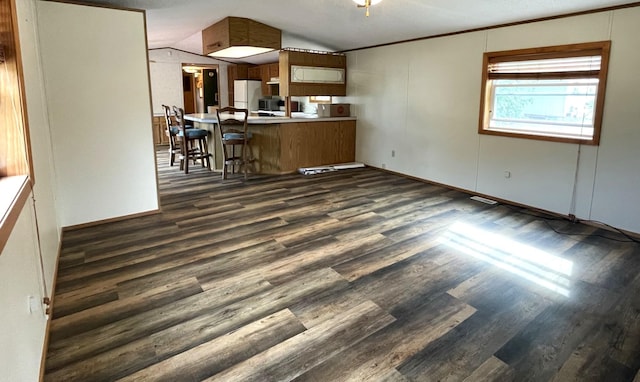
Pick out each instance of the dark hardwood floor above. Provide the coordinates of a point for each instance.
(355, 275)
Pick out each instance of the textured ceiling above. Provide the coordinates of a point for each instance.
(338, 24)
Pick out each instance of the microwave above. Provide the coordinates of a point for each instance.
(268, 104)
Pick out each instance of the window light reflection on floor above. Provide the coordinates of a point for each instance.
(533, 264)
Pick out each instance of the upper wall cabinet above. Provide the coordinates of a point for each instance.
(305, 73)
(315, 74)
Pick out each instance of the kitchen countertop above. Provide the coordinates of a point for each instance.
(255, 120)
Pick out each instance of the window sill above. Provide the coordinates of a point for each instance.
(14, 191)
(539, 137)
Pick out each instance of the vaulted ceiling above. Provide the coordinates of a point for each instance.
(337, 24)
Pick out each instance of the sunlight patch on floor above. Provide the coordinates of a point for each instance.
(530, 263)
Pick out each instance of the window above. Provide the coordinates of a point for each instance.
(552, 93)
(16, 173)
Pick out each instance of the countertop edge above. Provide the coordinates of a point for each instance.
(211, 118)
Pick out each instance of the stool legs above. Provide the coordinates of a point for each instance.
(192, 150)
(242, 159)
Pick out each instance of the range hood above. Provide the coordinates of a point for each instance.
(238, 37)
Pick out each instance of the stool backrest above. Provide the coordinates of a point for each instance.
(167, 117)
(232, 120)
(179, 114)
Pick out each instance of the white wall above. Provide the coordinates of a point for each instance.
(23, 333)
(616, 192)
(42, 155)
(422, 100)
(166, 76)
(97, 90)
(36, 233)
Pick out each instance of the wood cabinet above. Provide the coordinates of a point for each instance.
(254, 73)
(292, 87)
(239, 31)
(267, 72)
(241, 72)
(159, 131)
(284, 148)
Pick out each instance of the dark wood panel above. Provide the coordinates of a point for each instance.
(349, 275)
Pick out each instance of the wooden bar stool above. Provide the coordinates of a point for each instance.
(235, 139)
(172, 133)
(193, 144)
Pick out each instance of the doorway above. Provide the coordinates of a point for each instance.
(200, 85)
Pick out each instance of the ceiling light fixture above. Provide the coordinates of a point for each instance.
(237, 37)
(366, 4)
(191, 69)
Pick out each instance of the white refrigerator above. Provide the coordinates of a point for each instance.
(246, 94)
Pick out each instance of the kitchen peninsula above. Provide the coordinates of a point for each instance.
(281, 145)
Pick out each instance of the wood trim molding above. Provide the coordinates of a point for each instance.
(15, 143)
(111, 220)
(599, 48)
(45, 345)
(572, 14)
(499, 200)
(101, 5)
(155, 153)
(596, 224)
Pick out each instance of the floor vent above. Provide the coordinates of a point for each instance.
(484, 200)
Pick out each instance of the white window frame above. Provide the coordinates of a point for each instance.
(494, 74)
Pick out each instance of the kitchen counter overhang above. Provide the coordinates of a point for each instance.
(257, 120)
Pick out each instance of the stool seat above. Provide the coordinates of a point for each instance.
(194, 133)
(236, 136)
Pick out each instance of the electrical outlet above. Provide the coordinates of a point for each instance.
(393, 153)
(384, 165)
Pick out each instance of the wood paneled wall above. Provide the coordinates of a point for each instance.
(284, 148)
(15, 156)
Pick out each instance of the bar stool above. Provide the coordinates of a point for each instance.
(193, 144)
(235, 139)
(172, 133)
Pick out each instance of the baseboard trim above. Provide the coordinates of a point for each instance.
(471, 193)
(568, 217)
(110, 220)
(54, 282)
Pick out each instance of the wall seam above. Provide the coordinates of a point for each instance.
(475, 188)
(595, 167)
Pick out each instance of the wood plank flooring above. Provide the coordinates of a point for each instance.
(355, 275)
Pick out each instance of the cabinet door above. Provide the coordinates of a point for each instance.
(232, 75)
(242, 71)
(274, 70)
(254, 73)
(264, 76)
